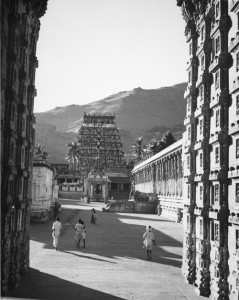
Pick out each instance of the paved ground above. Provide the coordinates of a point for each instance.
(112, 266)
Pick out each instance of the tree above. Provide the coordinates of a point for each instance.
(38, 149)
(168, 139)
(155, 146)
(73, 154)
(39, 154)
(137, 149)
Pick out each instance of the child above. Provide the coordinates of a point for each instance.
(148, 241)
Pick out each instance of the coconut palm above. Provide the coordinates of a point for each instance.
(38, 149)
(39, 154)
(137, 149)
(73, 154)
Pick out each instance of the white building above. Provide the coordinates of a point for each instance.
(44, 191)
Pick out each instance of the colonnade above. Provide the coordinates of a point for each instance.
(162, 175)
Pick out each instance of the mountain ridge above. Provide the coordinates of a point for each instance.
(139, 112)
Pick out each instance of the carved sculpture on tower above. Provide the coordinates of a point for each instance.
(210, 147)
(100, 152)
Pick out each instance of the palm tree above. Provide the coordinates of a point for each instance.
(152, 147)
(38, 149)
(138, 150)
(73, 154)
(39, 154)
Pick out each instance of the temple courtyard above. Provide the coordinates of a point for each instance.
(112, 266)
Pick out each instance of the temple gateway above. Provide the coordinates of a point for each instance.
(101, 171)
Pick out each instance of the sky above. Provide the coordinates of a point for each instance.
(90, 49)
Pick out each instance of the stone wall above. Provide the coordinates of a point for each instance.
(19, 34)
(131, 206)
(72, 195)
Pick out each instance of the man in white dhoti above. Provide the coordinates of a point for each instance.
(56, 230)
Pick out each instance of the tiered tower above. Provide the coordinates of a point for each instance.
(19, 34)
(100, 145)
(210, 148)
(233, 172)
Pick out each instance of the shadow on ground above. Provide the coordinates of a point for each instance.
(57, 288)
(113, 236)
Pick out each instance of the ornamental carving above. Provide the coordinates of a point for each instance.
(191, 9)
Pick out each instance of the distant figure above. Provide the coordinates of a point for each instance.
(55, 210)
(93, 216)
(83, 232)
(79, 227)
(148, 241)
(56, 230)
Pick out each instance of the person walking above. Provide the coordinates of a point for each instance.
(149, 241)
(56, 230)
(55, 210)
(79, 228)
(93, 216)
(83, 232)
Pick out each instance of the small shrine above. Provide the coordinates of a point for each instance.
(97, 186)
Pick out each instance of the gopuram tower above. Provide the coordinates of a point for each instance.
(101, 153)
(211, 148)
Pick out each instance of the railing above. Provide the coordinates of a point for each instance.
(170, 149)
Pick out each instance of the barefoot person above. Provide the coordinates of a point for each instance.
(56, 230)
(149, 241)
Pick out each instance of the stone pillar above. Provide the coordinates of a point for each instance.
(104, 192)
(91, 190)
(176, 174)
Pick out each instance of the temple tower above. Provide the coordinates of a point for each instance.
(101, 152)
(206, 148)
(233, 171)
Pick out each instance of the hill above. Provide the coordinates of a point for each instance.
(140, 112)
